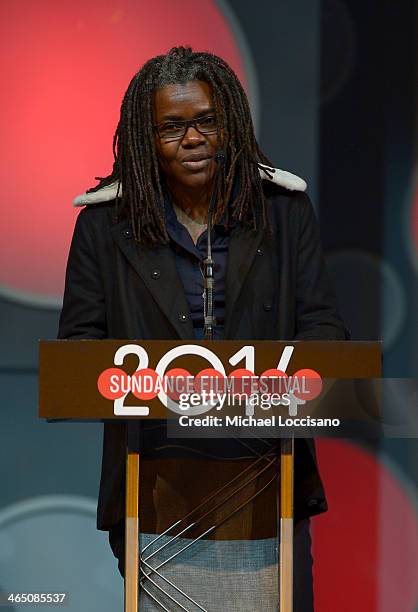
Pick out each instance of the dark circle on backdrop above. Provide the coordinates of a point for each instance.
(41, 538)
(371, 296)
(338, 50)
(411, 221)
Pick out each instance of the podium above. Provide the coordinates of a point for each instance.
(68, 390)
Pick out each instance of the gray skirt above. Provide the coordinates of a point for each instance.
(240, 575)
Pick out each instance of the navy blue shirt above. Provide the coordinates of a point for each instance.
(189, 261)
(189, 257)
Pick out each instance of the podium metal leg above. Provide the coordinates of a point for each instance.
(286, 524)
(132, 523)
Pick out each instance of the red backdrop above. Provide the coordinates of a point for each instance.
(68, 65)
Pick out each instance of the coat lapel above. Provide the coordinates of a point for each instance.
(157, 269)
(243, 246)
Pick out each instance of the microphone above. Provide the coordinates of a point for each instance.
(208, 263)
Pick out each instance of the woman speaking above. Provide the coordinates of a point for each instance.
(135, 271)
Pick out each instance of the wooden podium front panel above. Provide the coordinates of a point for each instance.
(69, 369)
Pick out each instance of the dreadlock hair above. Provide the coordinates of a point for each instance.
(136, 164)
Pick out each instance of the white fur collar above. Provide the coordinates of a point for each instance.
(275, 175)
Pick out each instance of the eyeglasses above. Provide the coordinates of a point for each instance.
(176, 130)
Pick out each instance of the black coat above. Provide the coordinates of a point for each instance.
(276, 288)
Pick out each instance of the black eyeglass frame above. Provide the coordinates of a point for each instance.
(187, 123)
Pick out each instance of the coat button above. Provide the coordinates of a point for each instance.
(183, 318)
(155, 274)
(267, 306)
(127, 233)
(260, 252)
(312, 502)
